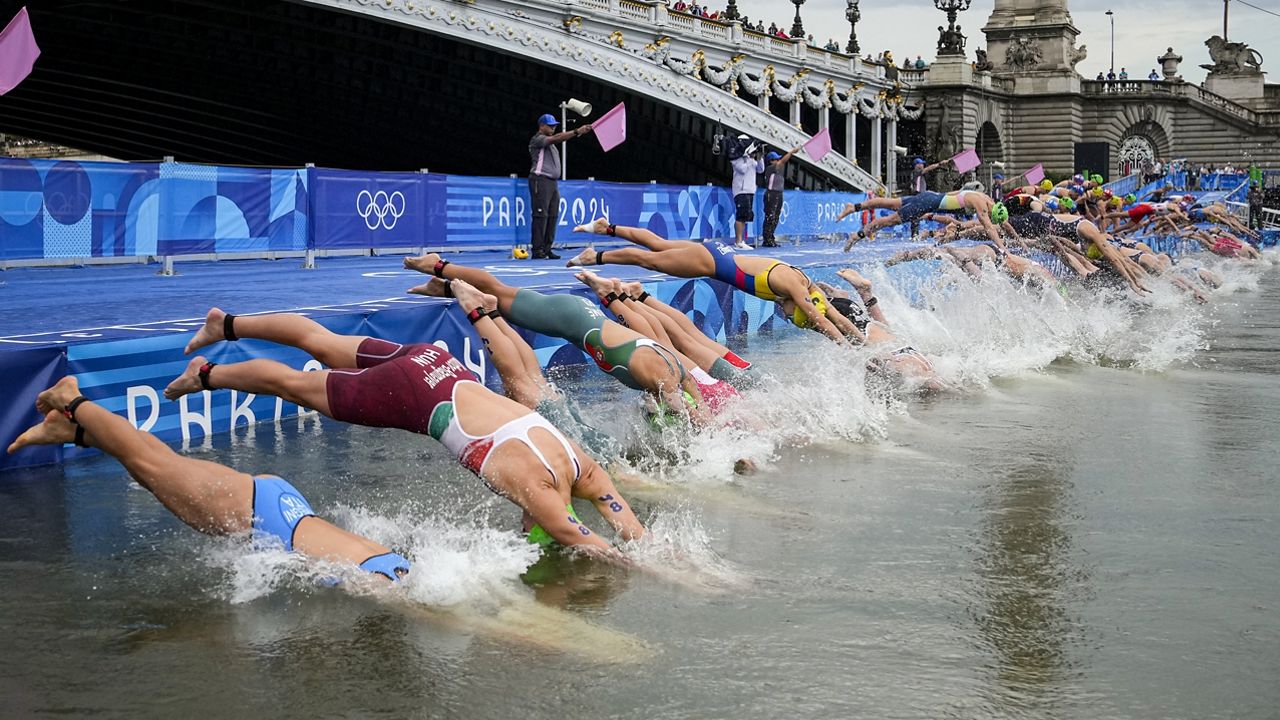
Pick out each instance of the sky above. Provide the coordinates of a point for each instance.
(1144, 29)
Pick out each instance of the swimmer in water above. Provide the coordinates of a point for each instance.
(424, 390)
(210, 498)
(988, 212)
(768, 279)
(1029, 218)
(971, 259)
(903, 362)
(632, 359)
(1220, 242)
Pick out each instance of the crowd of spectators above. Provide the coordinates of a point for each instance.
(1183, 174)
(1123, 76)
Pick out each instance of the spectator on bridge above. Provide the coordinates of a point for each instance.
(775, 177)
(1154, 76)
(680, 6)
(920, 63)
(831, 45)
(1255, 207)
(918, 171)
(1111, 74)
(1124, 74)
(745, 170)
(906, 63)
(544, 190)
(810, 40)
(1100, 76)
(695, 8)
(773, 28)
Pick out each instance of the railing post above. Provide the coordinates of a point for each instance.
(166, 268)
(660, 14)
(735, 32)
(309, 257)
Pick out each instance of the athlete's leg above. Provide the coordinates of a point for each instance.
(482, 280)
(506, 359)
(209, 497)
(608, 294)
(268, 377)
(338, 351)
(927, 253)
(688, 260)
(863, 287)
(639, 236)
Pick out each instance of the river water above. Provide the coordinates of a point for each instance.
(1086, 528)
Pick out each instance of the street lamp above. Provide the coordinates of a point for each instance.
(797, 27)
(731, 11)
(852, 14)
(951, 42)
(1112, 16)
(581, 109)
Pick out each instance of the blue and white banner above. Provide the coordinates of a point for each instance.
(367, 210)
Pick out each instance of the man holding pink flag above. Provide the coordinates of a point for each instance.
(18, 51)
(544, 179)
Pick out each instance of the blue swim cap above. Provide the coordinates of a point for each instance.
(919, 161)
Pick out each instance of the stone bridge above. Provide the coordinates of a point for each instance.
(449, 86)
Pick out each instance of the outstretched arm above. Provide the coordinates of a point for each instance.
(596, 485)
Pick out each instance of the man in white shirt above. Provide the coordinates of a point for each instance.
(745, 170)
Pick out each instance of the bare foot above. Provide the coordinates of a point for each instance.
(595, 282)
(853, 238)
(188, 382)
(852, 277)
(424, 263)
(489, 302)
(599, 226)
(468, 297)
(615, 285)
(435, 287)
(584, 258)
(57, 397)
(211, 333)
(55, 430)
(633, 289)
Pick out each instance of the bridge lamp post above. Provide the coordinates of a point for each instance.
(852, 14)
(731, 11)
(797, 27)
(1112, 16)
(952, 42)
(580, 108)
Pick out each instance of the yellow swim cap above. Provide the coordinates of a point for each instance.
(800, 319)
(1046, 185)
(520, 253)
(1093, 252)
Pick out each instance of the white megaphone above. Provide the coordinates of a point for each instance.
(997, 164)
(899, 150)
(578, 106)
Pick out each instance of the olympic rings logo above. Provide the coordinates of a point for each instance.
(379, 209)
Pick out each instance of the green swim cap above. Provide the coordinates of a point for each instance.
(999, 213)
(1067, 204)
(665, 417)
(1097, 178)
(538, 536)
(1131, 198)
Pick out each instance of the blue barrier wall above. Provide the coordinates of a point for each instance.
(69, 210)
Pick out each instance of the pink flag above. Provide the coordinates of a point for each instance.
(611, 128)
(819, 145)
(18, 51)
(1035, 175)
(966, 161)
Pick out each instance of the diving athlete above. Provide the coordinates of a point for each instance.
(208, 497)
(766, 278)
(425, 390)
